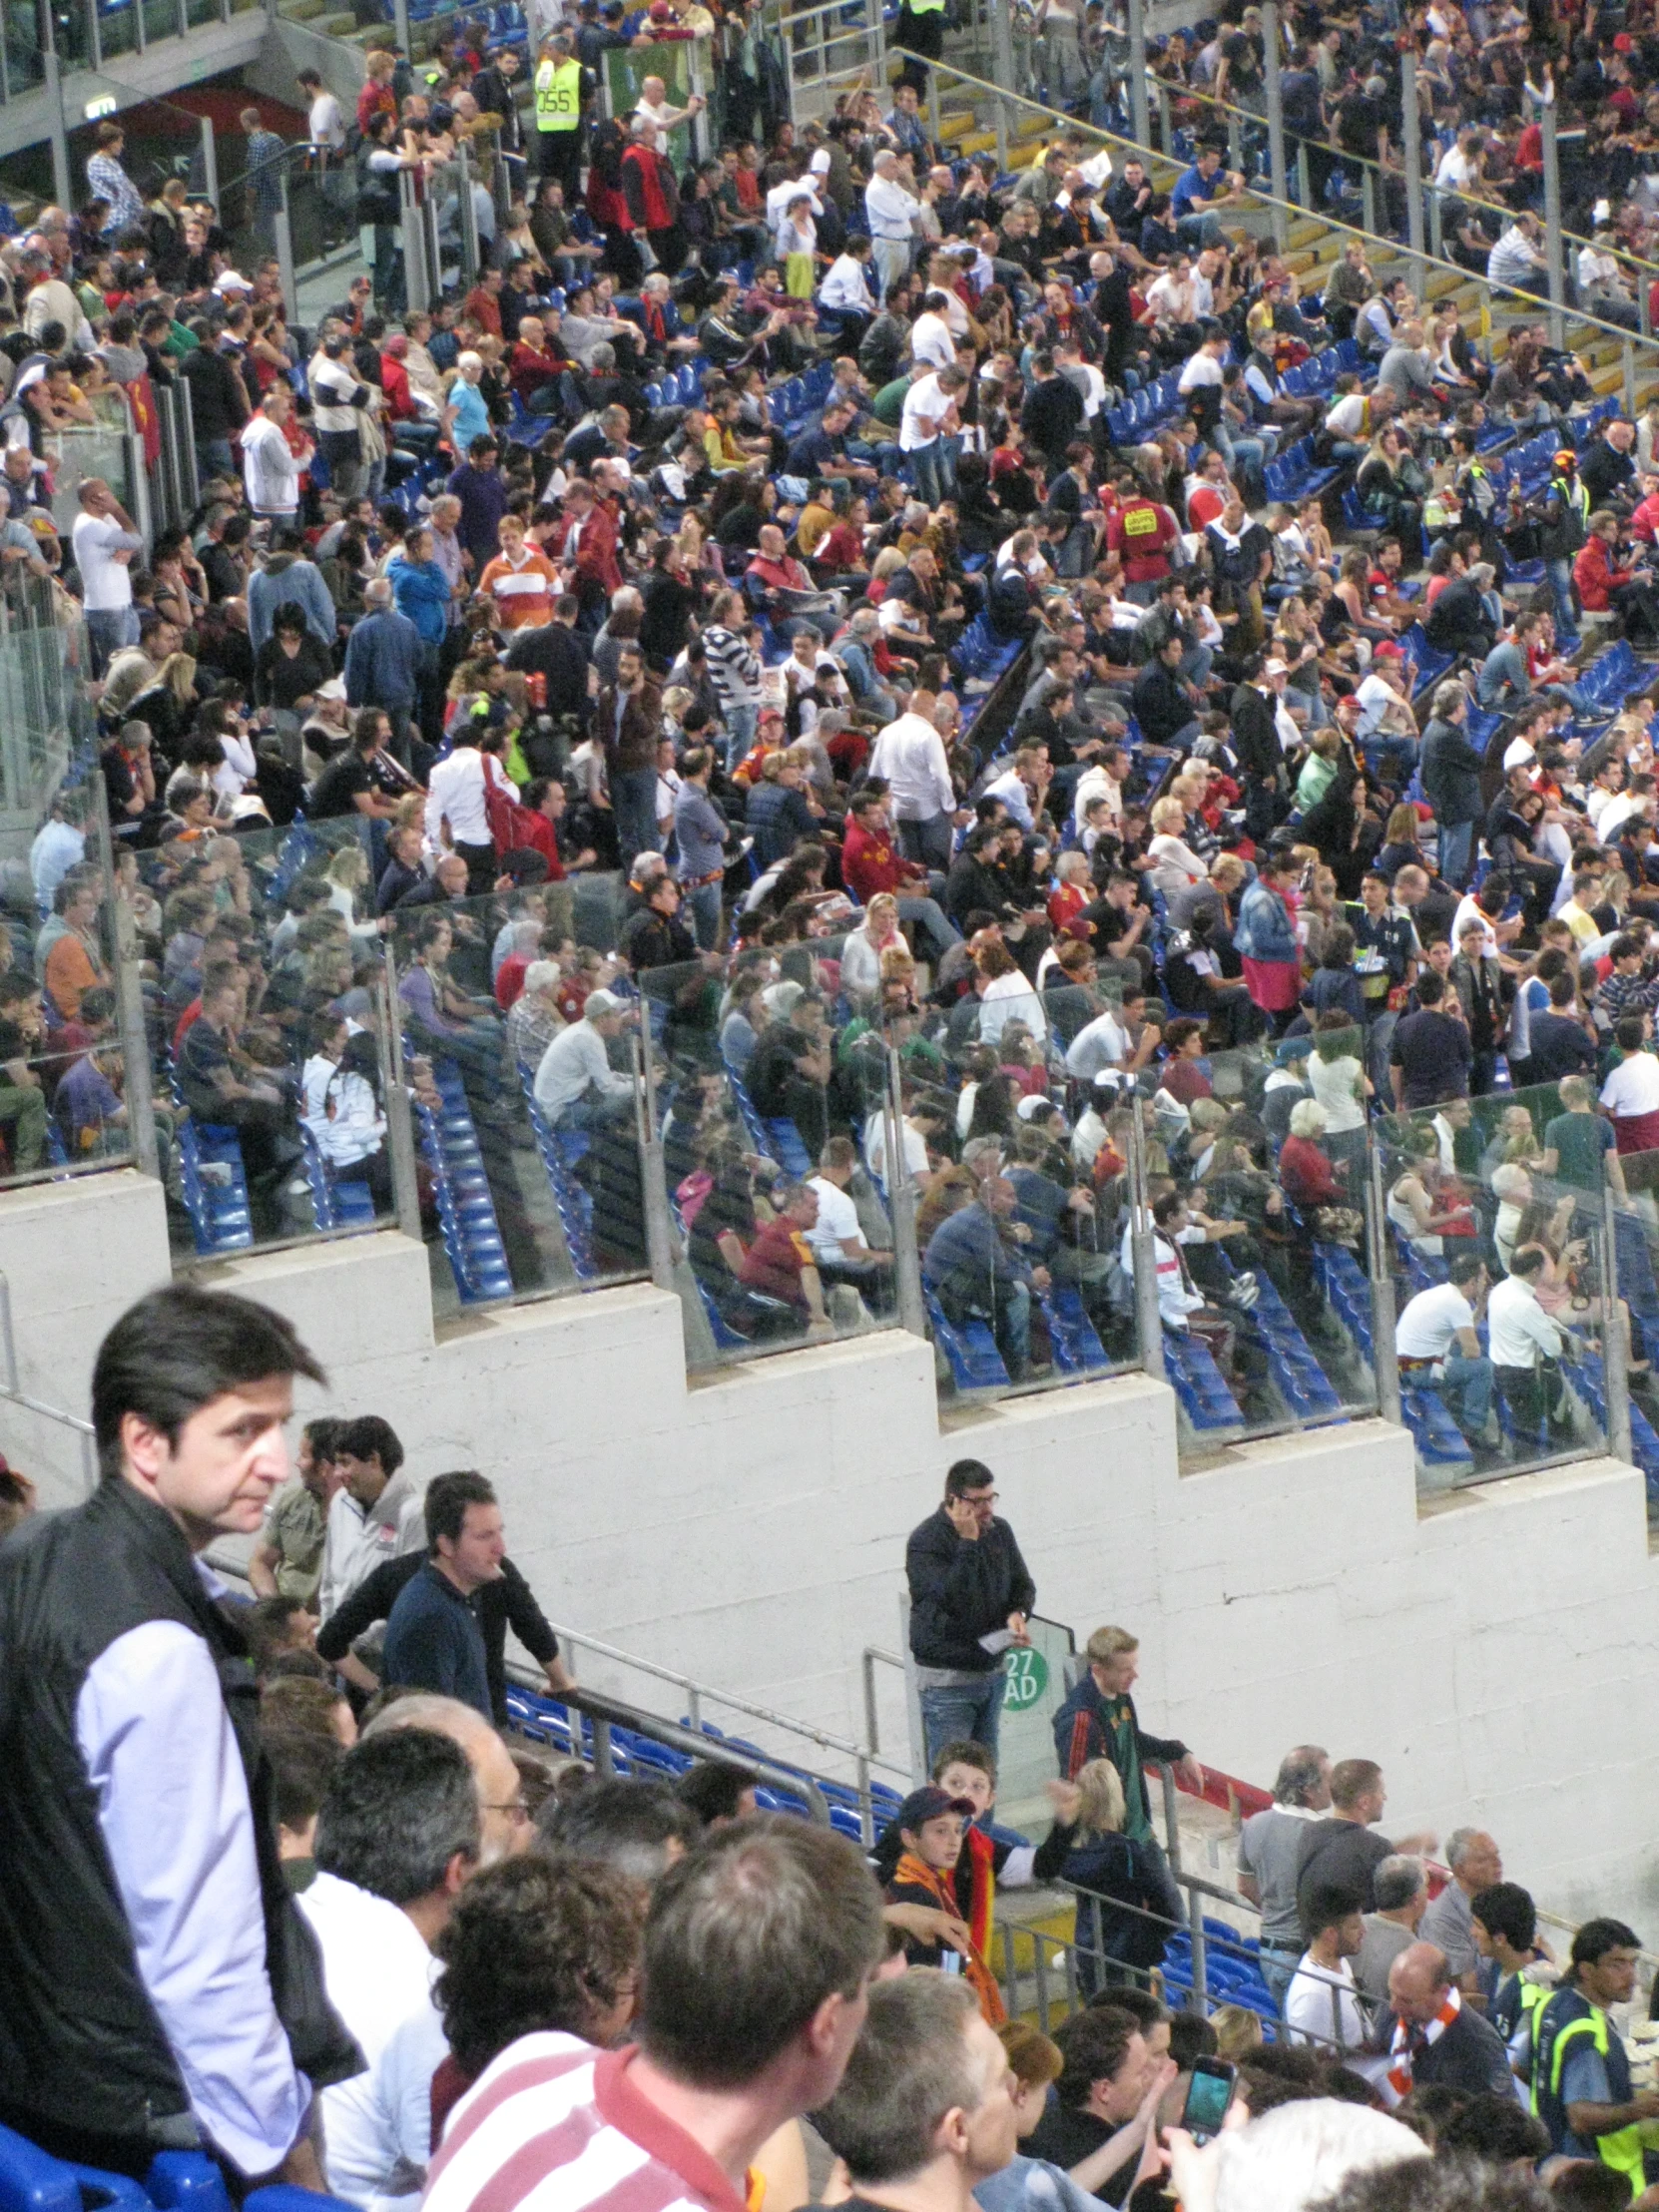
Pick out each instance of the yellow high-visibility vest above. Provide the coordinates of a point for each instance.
(559, 95)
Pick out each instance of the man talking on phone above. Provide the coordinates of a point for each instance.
(970, 1597)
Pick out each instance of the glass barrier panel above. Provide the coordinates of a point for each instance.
(526, 1105)
(117, 27)
(1498, 1199)
(20, 29)
(1034, 1689)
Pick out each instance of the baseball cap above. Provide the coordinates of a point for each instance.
(1275, 667)
(926, 1805)
(1387, 652)
(783, 999)
(601, 1003)
(231, 281)
(334, 688)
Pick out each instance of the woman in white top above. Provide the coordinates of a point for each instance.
(862, 948)
(1007, 995)
(1415, 1206)
(1341, 1084)
(1179, 865)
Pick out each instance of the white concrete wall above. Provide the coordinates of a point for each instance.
(1497, 1656)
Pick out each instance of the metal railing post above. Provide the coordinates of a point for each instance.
(400, 25)
(658, 1232)
(1235, 142)
(1411, 133)
(1436, 227)
(1381, 1291)
(417, 275)
(1166, 124)
(1304, 175)
(54, 122)
(129, 1000)
(1614, 1363)
(1629, 359)
(902, 1210)
(1148, 1319)
(209, 161)
(467, 215)
(283, 234)
(1137, 73)
(1552, 219)
(1367, 194)
(1198, 2001)
(406, 1185)
(1275, 122)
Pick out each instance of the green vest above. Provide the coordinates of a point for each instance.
(559, 95)
(1622, 2149)
(1534, 1996)
(927, 7)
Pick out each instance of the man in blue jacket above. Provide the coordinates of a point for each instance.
(969, 1585)
(382, 661)
(1098, 1721)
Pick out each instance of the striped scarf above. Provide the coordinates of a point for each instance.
(1403, 2049)
(915, 1873)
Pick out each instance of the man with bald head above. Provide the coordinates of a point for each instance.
(1431, 2035)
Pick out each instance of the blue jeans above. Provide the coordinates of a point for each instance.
(704, 907)
(1468, 1385)
(937, 931)
(1456, 847)
(215, 459)
(1279, 1972)
(972, 1712)
(108, 630)
(935, 469)
(634, 798)
(742, 725)
(1198, 230)
(1558, 576)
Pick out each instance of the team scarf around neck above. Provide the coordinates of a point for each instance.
(1399, 2078)
(914, 1872)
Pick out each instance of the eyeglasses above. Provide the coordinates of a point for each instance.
(517, 1811)
(980, 1497)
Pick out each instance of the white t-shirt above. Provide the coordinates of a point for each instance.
(908, 1142)
(1322, 2007)
(1334, 1084)
(1376, 698)
(1469, 909)
(930, 341)
(924, 402)
(324, 124)
(268, 468)
(105, 583)
(1430, 1322)
(837, 1224)
(1633, 1086)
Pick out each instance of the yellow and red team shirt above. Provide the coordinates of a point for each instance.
(521, 592)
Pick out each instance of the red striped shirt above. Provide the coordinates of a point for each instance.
(553, 2125)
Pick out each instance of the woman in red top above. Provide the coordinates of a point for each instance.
(1604, 586)
(1306, 1173)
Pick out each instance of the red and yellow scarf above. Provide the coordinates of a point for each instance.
(912, 1872)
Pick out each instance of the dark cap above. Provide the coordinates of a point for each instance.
(926, 1805)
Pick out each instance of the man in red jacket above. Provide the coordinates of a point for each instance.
(871, 862)
(653, 196)
(584, 543)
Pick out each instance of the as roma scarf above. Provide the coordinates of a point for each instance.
(1408, 2040)
(912, 1872)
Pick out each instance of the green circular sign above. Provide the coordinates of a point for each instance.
(1027, 1678)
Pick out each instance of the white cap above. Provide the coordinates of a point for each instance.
(821, 163)
(231, 281)
(601, 1003)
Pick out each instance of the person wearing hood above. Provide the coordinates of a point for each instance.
(287, 576)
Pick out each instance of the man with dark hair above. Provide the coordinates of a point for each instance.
(639, 1828)
(1506, 1926)
(1105, 2099)
(376, 1513)
(1581, 2087)
(288, 1559)
(716, 1793)
(1322, 2004)
(969, 1589)
(398, 1833)
(925, 2106)
(758, 1949)
(302, 1762)
(433, 1637)
(129, 1739)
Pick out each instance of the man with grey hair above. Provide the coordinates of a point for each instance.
(1401, 1892)
(925, 2112)
(382, 661)
(892, 213)
(1270, 1849)
(1475, 1864)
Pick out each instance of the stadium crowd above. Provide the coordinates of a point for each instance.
(340, 1915)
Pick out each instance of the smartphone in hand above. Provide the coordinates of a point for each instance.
(1209, 2094)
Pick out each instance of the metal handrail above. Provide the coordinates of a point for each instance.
(1133, 150)
(10, 1390)
(607, 1713)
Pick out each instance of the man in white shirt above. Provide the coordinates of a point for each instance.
(909, 754)
(839, 1246)
(324, 124)
(1108, 1042)
(1321, 2005)
(653, 104)
(270, 468)
(1438, 1348)
(1521, 1337)
(923, 432)
(930, 339)
(105, 539)
(893, 212)
(1631, 1091)
(457, 817)
(575, 1083)
(377, 1514)
(845, 286)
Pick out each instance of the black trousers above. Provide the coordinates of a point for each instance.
(560, 154)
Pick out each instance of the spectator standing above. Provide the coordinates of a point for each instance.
(135, 1776)
(106, 538)
(376, 1513)
(1402, 1894)
(1098, 1721)
(1341, 1851)
(288, 1559)
(1438, 2040)
(1322, 2004)
(1270, 1849)
(434, 1638)
(1581, 2085)
(971, 1596)
(1449, 1923)
(758, 1949)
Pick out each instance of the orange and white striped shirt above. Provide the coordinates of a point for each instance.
(521, 591)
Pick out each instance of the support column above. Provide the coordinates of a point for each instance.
(400, 25)
(1614, 1366)
(1141, 132)
(1412, 130)
(1276, 124)
(1149, 1320)
(282, 228)
(400, 1143)
(129, 1001)
(209, 162)
(1552, 219)
(1381, 1291)
(901, 1207)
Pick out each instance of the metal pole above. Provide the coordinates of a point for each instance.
(1148, 1319)
(282, 237)
(1165, 126)
(933, 104)
(1552, 221)
(129, 1000)
(1437, 236)
(209, 161)
(1614, 1366)
(415, 275)
(1304, 175)
(400, 25)
(1276, 122)
(659, 1233)
(406, 1186)
(1411, 131)
(1367, 189)
(1382, 1292)
(1137, 74)
(54, 123)
(901, 1206)
(468, 215)
(1002, 46)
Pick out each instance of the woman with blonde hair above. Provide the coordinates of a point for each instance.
(1179, 866)
(1120, 1934)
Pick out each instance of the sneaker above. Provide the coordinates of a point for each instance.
(974, 686)
(1243, 1293)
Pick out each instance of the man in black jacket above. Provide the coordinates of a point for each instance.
(158, 1988)
(1162, 703)
(1254, 711)
(1435, 2036)
(1052, 416)
(1450, 769)
(970, 1594)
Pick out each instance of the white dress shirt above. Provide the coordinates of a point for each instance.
(930, 341)
(1520, 1330)
(891, 208)
(456, 789)
(377, 1972)
(911, 755)
(161, 1762)
(845, 286)
(360, 1538)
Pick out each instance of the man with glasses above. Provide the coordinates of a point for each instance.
(971, 1598)
(498, 1602)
